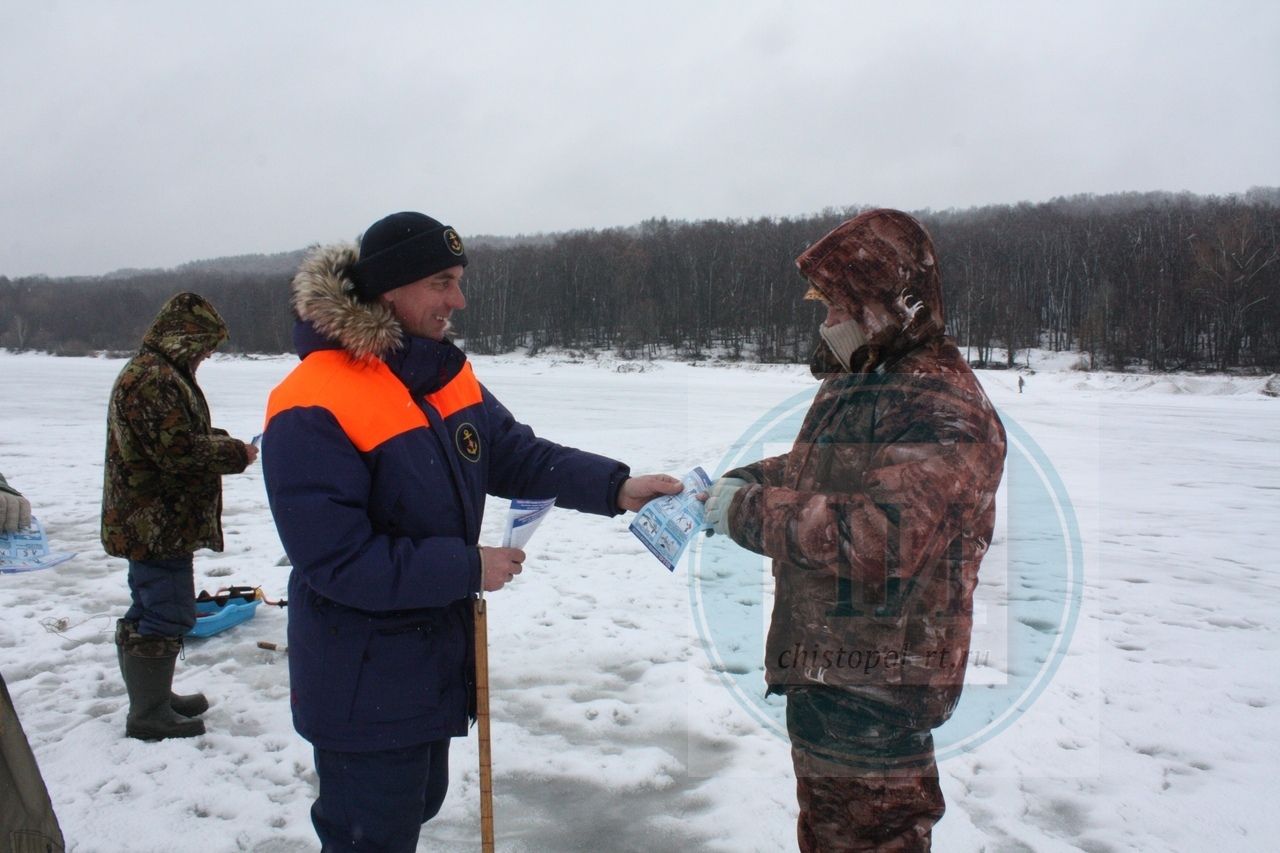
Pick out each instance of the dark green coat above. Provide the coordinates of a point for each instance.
(162, 491)
(27, 821)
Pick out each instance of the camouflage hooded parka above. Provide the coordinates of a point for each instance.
(878, 517)
(162, 491)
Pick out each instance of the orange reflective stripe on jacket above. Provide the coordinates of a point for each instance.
(370, 404)
(462, 391)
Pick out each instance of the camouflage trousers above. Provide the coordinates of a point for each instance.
(862, 784)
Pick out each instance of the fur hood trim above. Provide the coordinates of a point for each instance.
(324, 295)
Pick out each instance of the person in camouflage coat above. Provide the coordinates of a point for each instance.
(161, 501)
(877, 521)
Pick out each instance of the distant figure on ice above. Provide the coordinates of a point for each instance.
(876, 520)
(15, 510)
(1020, 384)
(378, 452)
(162, 500)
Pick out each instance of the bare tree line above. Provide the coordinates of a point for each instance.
(1165, 281)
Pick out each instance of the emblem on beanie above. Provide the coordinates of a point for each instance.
(468, 441)
(453, 241)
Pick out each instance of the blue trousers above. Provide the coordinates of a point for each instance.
(378, 801)
(164, 596)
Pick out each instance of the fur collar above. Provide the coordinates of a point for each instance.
(324, 296)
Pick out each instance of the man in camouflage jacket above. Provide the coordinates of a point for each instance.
(877, 521)
(161, 501)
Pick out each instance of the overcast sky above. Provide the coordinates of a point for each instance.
(142, 134)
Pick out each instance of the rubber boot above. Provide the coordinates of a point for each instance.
(148, 675)
(186, 704)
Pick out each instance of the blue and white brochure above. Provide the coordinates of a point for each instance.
(522, 519)
(667, 525)
(28, 550)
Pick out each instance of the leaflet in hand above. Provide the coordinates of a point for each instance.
(667, 524)
(28, 550)
(524, 518)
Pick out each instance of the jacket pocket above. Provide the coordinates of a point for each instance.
(404, 671)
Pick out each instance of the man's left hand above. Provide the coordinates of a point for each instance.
(15, 513)
(718, 500)
(638, 491)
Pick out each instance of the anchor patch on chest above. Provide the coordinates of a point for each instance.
(468, 441)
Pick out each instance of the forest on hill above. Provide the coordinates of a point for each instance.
(1155, 280)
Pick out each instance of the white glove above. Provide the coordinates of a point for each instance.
(15, 512)
(719, 499)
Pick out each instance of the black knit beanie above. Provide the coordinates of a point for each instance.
(402, 248)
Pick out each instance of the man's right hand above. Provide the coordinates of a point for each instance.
(498, 566)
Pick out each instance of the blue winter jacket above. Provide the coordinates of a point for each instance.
(376, 471)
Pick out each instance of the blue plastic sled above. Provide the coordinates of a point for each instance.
(212, 618)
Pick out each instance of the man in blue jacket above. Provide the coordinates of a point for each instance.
(378, 452)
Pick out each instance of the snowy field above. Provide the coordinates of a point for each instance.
(612, 728)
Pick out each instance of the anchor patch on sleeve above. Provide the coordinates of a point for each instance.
(468, 441)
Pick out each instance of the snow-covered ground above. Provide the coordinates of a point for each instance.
(612, 730)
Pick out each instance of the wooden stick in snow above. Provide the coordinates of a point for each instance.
(482, 723)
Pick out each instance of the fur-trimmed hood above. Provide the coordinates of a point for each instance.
(324, 295)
